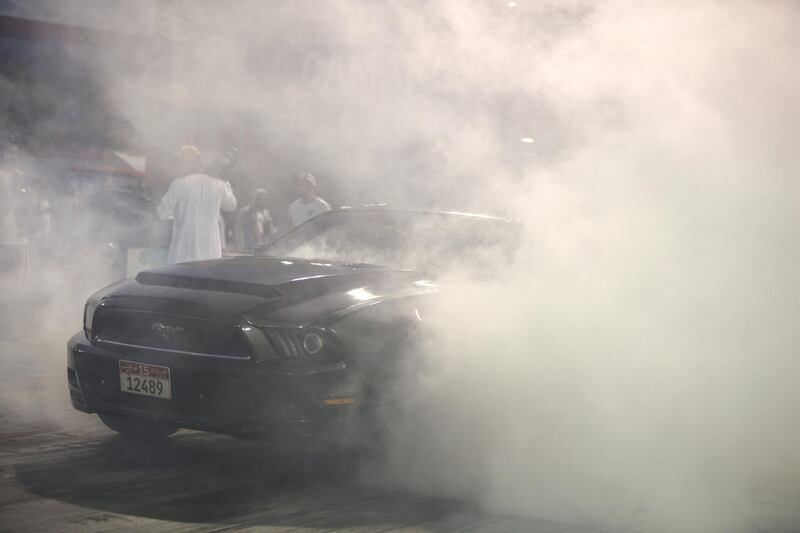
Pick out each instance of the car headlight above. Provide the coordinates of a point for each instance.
(88, 317)
(313, 343)
(300, 342)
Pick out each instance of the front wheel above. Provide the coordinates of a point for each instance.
(139, 428)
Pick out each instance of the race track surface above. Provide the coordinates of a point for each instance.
(61, 470)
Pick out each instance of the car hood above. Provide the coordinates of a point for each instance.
(266, 271)
(263, 290)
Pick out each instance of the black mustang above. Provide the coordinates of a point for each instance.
(292, 343)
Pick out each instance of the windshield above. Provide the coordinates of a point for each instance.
(403, 239)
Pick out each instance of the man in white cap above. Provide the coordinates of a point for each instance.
(308, 205)
(193, 203)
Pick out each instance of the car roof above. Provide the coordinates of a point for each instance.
(385, 208)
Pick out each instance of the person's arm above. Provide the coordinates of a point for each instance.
(228, 199)
(166, 207)
(324, 205)
(269, 229)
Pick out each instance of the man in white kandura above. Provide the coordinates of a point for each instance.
(309, 204)
(193, 203)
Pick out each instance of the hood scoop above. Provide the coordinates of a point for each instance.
(207, 284)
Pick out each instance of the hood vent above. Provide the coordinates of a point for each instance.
(206, 284)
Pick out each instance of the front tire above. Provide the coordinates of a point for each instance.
(137, 428)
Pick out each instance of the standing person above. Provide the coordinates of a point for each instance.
(253, 223)
(8, 193)
(308, 205)
(193, 202)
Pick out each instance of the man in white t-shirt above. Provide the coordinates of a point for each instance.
(309, 204)
(193, 203)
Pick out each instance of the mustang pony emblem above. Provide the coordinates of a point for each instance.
(166, 331)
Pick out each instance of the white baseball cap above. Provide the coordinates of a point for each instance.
(307, 176)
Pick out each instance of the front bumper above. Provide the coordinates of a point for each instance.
(243, 398)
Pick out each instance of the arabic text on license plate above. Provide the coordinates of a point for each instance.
(145, 379)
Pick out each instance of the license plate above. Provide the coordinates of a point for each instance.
(145, 379)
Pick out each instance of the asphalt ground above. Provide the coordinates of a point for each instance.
(62, 470)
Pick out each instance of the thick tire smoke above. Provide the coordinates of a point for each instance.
(637, 367)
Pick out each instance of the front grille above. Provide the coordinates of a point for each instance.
(171, 332)
(180, 407)
(194, 407)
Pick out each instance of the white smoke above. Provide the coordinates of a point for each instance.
(636, 367)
